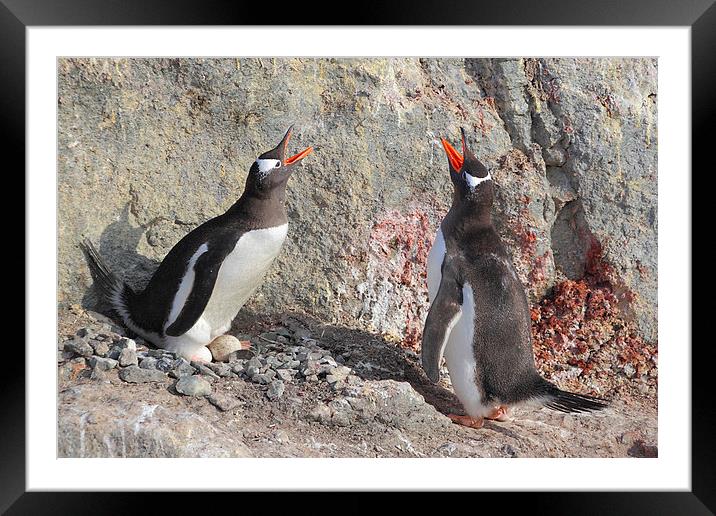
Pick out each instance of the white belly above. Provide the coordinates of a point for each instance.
(459, 354)
(460, 357)
(240, 275)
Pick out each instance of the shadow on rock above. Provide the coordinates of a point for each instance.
(118, 246)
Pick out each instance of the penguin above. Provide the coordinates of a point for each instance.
(479, 317)
(206, 278)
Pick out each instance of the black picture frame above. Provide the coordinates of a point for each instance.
(700, 15)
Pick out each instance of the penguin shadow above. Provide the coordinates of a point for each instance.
(118, 245)
(369, 355)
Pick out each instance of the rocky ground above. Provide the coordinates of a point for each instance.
(304, 389)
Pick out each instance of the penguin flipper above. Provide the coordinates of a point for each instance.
(444, 313)
(206, 270)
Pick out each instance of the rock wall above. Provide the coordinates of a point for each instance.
(150, 148)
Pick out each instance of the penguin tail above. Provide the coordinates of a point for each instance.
(563, 401)
(111, 288)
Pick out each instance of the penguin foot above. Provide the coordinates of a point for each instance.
(467, 421)
(499, 413)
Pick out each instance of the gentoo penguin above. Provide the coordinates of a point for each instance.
(210, 273)
(479, 317)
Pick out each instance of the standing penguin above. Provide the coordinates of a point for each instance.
(209, 274)
(479, 317)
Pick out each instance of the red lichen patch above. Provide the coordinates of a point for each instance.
(580, 340)
(398, 251)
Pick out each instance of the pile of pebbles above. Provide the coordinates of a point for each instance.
(274, 360)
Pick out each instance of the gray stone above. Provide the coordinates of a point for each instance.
(100, 348)
(71, 369)
(148, 363)
(103, 364)
(220, 368)
(447, 449)
(99, 375)
(310, 368)
(284, 375)
(181, 368)
(275, 390)
(127, 357)
(165, 364)
(193, 386)
(79, 347)
(337, 374)
(238, 366)
(127, 343)
(204, 370)
(135, 374)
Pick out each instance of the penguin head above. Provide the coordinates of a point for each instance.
(272, 168)
(470, 178)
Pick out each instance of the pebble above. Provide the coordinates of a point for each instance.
(181, 368)
(165, 364)
(127, 357)
(508, 450)
(126, 342)
(193, 386)
(98, 375)
(70, 370)
(284, 374)
(148, 363)
(447, 449)
(101, 348)
(252, 367)
(203, 370)
(275, 390)
(338, 374)
(135, 374)
(238, 366)
(103, 364)
(79, 346)
(220, 368)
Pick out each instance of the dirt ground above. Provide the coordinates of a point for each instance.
(109, 417)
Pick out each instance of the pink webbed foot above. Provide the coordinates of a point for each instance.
(499, 413)
(467, 421)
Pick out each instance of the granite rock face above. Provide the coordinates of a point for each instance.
(151, 148)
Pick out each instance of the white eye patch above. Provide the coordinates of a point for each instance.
(473, 181)
(267, 164)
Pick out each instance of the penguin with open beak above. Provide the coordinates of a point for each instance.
(479, 317)
(206, 278)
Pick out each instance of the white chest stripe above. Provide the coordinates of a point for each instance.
(187, 283)
(267, 164)
(473, 181)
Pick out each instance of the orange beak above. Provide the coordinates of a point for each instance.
(455, 158)
(299, 156)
